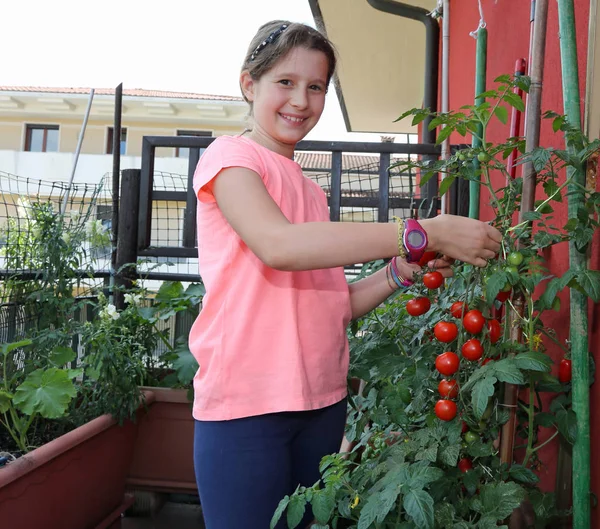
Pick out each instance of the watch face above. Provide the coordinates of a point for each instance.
(415, 239)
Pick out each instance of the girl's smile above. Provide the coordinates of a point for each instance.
(288, 100)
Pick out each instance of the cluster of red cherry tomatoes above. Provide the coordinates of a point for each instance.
(448, 362)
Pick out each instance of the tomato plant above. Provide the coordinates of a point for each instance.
(433, 280)
(458, 308)
(445, 410)
(418, 306)
(564, 371)
(448, 388)
(447, 363)
(404, 402)
(473, 321)
(472, 350)
(445, 331)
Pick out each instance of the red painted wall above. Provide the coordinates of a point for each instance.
(508, 28)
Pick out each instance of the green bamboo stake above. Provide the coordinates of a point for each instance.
(577, 261)
(480, 75)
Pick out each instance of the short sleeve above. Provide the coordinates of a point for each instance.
(225, 151)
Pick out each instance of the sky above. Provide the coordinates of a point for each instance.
(176, 45)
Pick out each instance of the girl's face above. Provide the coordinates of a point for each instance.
(288, 100)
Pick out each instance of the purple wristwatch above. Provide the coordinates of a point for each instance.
(415, 240)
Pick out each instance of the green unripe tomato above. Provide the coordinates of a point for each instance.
(471, 437)
(512, 270)
(515, 258)
(483, 157)
(462, 157)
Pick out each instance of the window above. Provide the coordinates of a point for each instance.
(41, 138)
(110, 137)
(184, 152)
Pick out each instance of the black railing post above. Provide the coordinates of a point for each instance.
(126, 270)
(189, 215)
(384, 187)
(336, 186)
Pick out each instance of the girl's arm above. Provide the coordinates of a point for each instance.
(254, 215)
(368, 293)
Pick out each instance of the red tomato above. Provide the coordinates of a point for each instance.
(448, 388)
(418, 306)
(464, 465)
(503, 296)
(445, 331)
(433, 280)
(472, 350)
(457, 309)
(445, 409)
(447, 363)
(427, 256)
(565, 371)
(473, 321)
(465, 427)
(494, 329)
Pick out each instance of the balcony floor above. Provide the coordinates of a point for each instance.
(171, 516)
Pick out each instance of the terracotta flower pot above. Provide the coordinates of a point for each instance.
(163, 459)
(76, 481)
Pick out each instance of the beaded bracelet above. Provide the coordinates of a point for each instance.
(401, 249)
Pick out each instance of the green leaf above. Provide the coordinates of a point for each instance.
(545, 419)
(502, 114)
(506, 371)
(7, 348)
(168, 291)
(551, 189)
(429, 454)
(566, 421)
(420, 474)
(444, 133)
(514, 101)
(589, 280)
(185, 365)
(482, 391)
(445, 184)
(426, 177)
(494, 285)
(61, 356)
(522, 474)
(449, 455)
(45, 391)
(533, 361)
(279, 511)
(323, 503)
(5, 400)
(418, 504)
(500, 499)
(295, 511)
(554, 287)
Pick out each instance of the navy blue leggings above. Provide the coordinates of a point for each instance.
(244, 467)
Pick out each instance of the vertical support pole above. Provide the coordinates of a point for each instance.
(116, 169)
(127, 234)
(383, 212)
(577, 261)
(480, 82)
(335, 198)
(189, 216)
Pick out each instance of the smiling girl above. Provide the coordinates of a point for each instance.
(270, 392)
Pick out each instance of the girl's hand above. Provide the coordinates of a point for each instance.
(443, 265)
(407, 269)
(462, 238)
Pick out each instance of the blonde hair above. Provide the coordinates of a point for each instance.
(273, 41)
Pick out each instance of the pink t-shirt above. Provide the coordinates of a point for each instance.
(266, 340)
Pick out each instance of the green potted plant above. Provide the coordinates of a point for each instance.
(67, 458)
